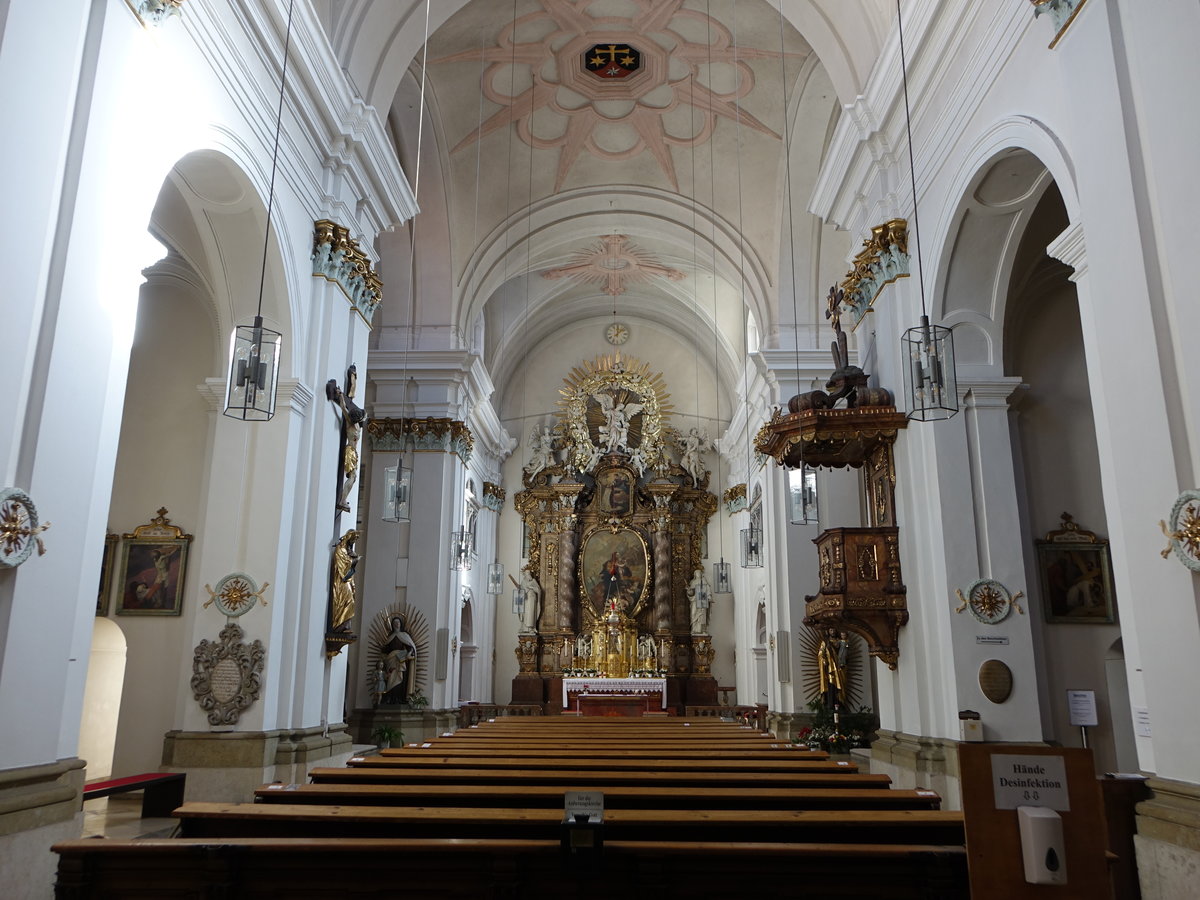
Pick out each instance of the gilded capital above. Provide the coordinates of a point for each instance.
(882, 259)
(493, 496)
(337, 257)
(1061, 12)
(155, 12)
(429, 434)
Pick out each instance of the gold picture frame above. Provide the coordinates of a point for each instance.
(104, 595)
(1075, 572)
(153, 569)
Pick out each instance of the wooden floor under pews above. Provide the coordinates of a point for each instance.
(691, 809)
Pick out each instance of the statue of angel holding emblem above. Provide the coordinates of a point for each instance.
(614, 433)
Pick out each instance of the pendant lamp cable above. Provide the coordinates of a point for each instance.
(912, 170)
(712, 184)
(787, 175)
(746, 311)
(262, 279)
(412, 235)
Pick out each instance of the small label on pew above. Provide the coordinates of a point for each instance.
(491, 720)
(426, 744)
(842, 762)
(447, 734)
(274, 787)
(583, 803)
(356, 759)
(926, 793)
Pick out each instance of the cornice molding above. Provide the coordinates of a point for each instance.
(857, 184)
(1071, 248)
(327, 126)
(990, 394)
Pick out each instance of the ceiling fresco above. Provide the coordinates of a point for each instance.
(616, 86)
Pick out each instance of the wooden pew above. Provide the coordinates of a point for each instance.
(241, 820)
(738, 812)
(533, 870)
(584, 779)
(617, 751)
(616, 797)
(777, 764)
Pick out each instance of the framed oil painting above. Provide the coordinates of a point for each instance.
(614, 488)
(153, 568)
(614, 568)
(1076, 576)
(106, 574)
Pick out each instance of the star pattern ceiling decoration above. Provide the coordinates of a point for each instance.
(615, 262)
(613, 118)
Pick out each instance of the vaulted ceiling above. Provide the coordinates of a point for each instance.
(584, 156)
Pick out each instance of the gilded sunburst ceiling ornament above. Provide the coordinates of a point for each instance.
(620, 115)
(615, 262)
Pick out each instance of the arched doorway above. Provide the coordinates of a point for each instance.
(1017, 330)
(211, 219)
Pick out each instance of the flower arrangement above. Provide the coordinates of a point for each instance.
(853, 729)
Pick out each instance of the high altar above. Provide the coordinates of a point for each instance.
(616, 506)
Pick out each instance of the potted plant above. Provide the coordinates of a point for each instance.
(386, 735)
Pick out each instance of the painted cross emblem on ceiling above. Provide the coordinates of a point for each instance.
(612, 60)
(556, 103)
(615, 262)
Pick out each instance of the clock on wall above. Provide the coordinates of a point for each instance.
(617, 333)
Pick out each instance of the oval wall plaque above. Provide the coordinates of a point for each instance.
(995, 680)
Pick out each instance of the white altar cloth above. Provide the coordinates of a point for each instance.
(614, 686)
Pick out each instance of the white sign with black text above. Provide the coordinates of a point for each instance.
(1082, 706)
(589, 804)
(1030, 781)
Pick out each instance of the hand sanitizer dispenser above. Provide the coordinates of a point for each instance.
(1042, 848)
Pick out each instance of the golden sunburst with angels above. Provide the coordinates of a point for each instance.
(575, 109)
(599, 384)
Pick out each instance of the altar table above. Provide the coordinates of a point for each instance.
(625, 687)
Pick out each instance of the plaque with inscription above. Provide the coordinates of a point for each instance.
(228, 675)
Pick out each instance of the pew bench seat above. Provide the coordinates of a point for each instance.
(162, 791)
(534, 870)
(241, 820)
(617, 797)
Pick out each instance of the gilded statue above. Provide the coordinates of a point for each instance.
(831, 667)
(345, 562)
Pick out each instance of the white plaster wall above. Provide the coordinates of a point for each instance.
(163, 448)
(1062, 473)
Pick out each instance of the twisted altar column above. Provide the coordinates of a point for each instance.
(568, 540)
(662, 576)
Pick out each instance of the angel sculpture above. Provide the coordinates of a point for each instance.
(614, 433)
(541, 447)
(691, 445)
